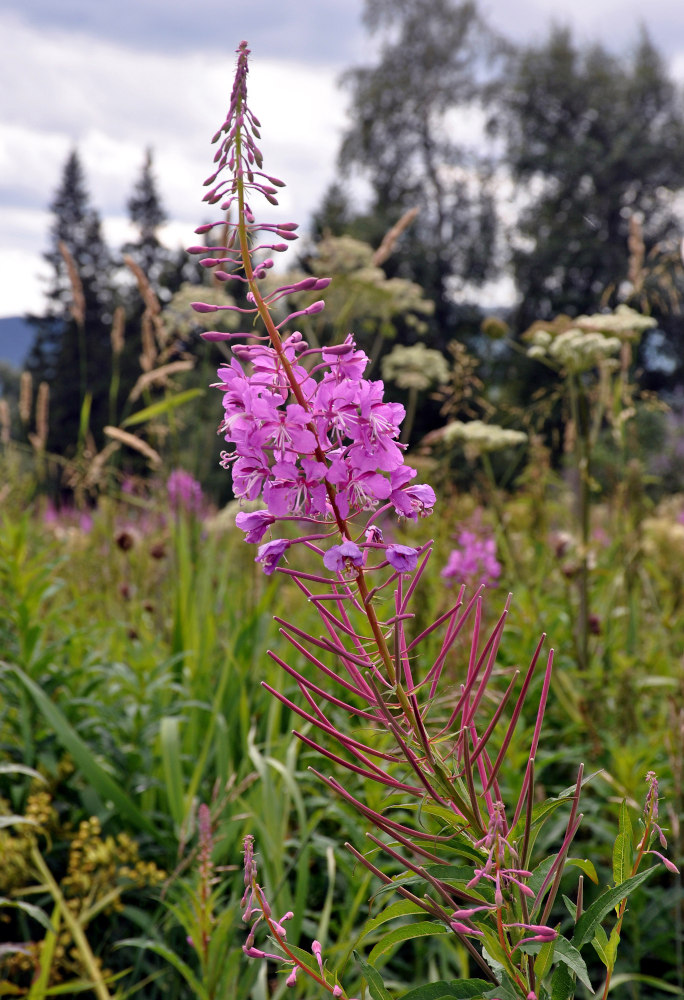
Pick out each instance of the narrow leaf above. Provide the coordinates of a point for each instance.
(637, 977)
(458, 989)
(622, 860)
(542, 962)
(565, 952)
(600, 946)
(592, 917)
(423, 928)
(562, 984)
(585, 866)
(390, 912)
(172, 958)
(169, 736)
(376, 987)
(31, 910)
(163, 406)
(105, 786)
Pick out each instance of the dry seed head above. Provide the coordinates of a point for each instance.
(78, 303)
(25, 397)
(117, 334)
(133, 441)
(386, 248)
(96, 468)
(149, 349)
(42, 409)
(4, 421)
(159, 375)
(149, 298)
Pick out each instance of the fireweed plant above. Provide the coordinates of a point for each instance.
(316, 442)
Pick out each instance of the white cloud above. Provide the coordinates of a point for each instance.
(112, 103)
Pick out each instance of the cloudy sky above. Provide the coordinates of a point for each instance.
(112, 77)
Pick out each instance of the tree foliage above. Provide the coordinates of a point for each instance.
(147, 214)
(71, 348)
(593, 141)
(434, 60)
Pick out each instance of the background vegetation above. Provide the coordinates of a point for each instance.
(137, 745)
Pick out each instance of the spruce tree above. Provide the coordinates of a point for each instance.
(147, 214)
(71, 350)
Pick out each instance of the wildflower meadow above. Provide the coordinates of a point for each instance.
(389, 713)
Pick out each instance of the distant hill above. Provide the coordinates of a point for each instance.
(16, 337)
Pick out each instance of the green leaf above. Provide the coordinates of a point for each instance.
(622, 858)
(173, 959)
(625, 821)
(585, 866)
(623, 849)
(46, 955)
(600, 946)
(169, 736)
(562, 984)
(506, 990)
(542, 962)
(163, 406)
(539, 873)
(450, 873)
(458, 989)
(567, 953)
(376, 987)
(592, 917)
(400, 909)
(422, 928)
(613, 944)
(636, 977)
(105, 786)
(30, 910)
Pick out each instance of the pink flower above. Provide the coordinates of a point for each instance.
(255, 524)
(271, 553)
(184, 492)
(474, 562)
(402, 557)
(341, 558)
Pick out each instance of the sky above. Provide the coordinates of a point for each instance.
(113, 78)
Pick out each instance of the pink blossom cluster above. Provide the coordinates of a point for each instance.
(308, 433)
(473, 561)
(344, 437)
(256, 909)
(184, 492)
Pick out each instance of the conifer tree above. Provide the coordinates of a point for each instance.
(71, 349)
(147, 215)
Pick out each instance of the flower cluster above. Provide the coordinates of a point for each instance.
(481, 437)
(308, 433)
(184, 492)
(317, 443)
(474, 561)
(344, 436)
(257, 910)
